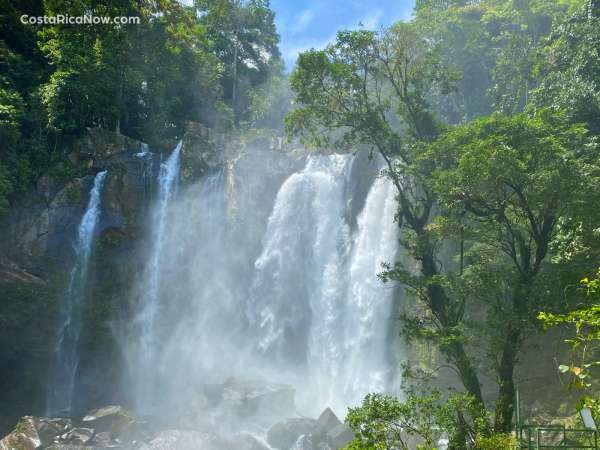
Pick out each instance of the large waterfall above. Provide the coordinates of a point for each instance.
(66, 354)
(265, 270)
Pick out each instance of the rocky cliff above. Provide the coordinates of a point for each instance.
(37, 251)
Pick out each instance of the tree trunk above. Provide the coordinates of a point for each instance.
(505, 404)
(506, 385)
(468, 375)
(455, 350)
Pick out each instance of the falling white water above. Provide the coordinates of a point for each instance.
(369, 306)
(257, 273)
(316, 300)
(144, 150)
(299, 276)
(167, 185)
(66, 354)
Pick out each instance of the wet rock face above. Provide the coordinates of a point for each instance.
(99, 143)
(36, 256)
(201, 152)
(39, 232)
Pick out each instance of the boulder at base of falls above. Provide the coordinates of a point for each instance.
(325, 433)
(327, 421)
(34, 433)
(339, 436)
(113, 419)
(25, 436)
(284, 435)
(78, 436)
(108, 427)
(330, 432)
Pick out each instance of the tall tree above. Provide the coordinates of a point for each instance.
(244, 38)
(510, 181)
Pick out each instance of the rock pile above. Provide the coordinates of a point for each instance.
(109, 427)
(115, 427)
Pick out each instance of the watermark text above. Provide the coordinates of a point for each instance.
(65, 19)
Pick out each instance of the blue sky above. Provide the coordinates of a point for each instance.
(314, 23)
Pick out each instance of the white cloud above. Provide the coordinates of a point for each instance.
(302, 21)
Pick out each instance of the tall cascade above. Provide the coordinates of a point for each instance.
(316, 300)
(266, 272)
(298, 293)
(150, 303)
(66, 353)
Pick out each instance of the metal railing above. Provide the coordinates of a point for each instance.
(540, 437)
(534, 437)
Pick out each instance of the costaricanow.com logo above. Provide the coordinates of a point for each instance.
(60, 19)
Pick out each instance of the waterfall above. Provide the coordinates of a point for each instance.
(299, 278)
(316, 300)
(150, 306)
(280, 287)
(66, 354)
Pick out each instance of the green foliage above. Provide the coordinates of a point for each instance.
(212, 62)
(495, 44)
(496, 442)
(268, 103)
(244, 37)
(357, 84)
(570, 67)
(383, 422)
(510, 180)
(138, 79)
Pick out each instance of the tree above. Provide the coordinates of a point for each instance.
(510, 181)
(571, 67)
(23, 155)
(383, 422)
(244, 38)
(143, 79)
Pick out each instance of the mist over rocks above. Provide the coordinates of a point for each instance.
(249, 423)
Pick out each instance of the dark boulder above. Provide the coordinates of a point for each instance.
(284, 435)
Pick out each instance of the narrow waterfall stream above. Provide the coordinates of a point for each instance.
(66, 353)
(149, 307)
(369, 363)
